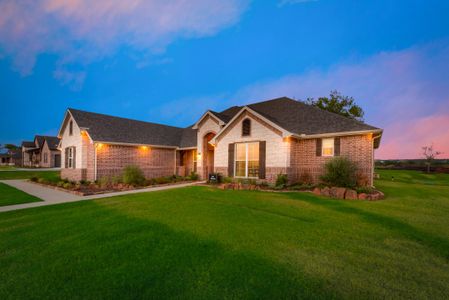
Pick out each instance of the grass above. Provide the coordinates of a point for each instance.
(7, 168)
(10, 196)
(50, 175)
(199, 242)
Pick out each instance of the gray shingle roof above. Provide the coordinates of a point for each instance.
(52, 141)
(300, 118)
(28, 144)
(294, 116)
(121, 130)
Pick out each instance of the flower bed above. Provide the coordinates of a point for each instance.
(332, 192)
(85, 188)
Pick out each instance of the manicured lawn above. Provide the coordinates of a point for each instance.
(200, 242)
(10, 196)
(51, 175)
(7, 167)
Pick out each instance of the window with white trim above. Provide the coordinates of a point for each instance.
(247, 160)
(327, 148)
(70, 158)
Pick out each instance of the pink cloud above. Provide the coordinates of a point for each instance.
(404, 92)
(82, 31)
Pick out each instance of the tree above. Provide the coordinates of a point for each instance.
(339, 104)
(429, 154)
(9, 147)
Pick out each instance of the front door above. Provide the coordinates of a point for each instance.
(57, 160)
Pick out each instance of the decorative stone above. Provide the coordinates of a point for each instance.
(337, 192)
(317, 191)
(362, 196)
(351, 194)
(326, 192)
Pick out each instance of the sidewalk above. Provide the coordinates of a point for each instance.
(51, 196)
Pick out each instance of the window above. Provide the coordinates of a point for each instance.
(246, 127)
(327, 147)
(71, 127)
(70, 160)
(247, 160)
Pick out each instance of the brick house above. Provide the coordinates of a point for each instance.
(257, 141)
(43, 152)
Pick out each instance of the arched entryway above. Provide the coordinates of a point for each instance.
(208, 155)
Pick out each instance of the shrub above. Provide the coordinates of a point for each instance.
(60, 183)
(133, 175)
(103, 181)
(42, 180)
(34, 179)
(365, 189)
(227, 180)
(162, 180)
(194, 176)
(67, 185)
(340, 171)
(281, 181)
(306, 178)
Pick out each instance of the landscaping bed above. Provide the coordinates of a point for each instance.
(86, 188)
(132, 178)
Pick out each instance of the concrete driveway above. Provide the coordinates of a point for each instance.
(52, 197)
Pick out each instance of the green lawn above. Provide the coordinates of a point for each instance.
(51, 175)
(199, 242)
(10, 196)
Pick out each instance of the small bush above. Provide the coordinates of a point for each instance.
(227, 180)
(302, 187)
(340, 171)
(67, 185)
(162, 180)
(60, 183)
(34, 179)
(281, 181)
(365, 189)
(306, 178)
(42, 180)
(133, 175)
(104, 181)
(193, 176)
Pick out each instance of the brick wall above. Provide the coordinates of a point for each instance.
(154, 162)
(303, 159)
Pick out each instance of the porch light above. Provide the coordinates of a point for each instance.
(144, 148)
(199, 155)
(99, 145)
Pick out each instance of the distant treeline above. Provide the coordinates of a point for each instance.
(438, 165)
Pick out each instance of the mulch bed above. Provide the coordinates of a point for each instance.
(94, 189)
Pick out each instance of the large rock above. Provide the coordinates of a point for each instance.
(317, 191)
(338, 192)
(362, 196)
(351, 194)
(326, 191)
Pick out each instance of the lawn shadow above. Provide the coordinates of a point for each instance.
(438, 245)
(113, 255)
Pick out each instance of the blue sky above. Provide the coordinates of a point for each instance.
(168, 63)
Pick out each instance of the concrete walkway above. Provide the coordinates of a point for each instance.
(51, 196)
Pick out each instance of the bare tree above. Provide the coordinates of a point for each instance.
(430, 154)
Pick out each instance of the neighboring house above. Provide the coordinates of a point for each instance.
(43, 152)
(257, 141)
(26, 155)
(11, 158)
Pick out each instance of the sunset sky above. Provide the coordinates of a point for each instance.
(169, 61)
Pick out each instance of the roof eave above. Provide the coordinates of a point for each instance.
(208, 113)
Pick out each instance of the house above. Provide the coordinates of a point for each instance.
(11, 158)
(43, 152)
(257, 141)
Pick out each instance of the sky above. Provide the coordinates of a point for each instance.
(169, 61)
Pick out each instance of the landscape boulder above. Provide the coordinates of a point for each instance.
(362, 196)
(326, 192)
(317, 191)
(351, 194)
(337, 192)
